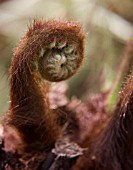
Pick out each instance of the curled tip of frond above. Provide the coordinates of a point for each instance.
(56, 46)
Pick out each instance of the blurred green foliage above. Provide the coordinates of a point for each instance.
(105, 42)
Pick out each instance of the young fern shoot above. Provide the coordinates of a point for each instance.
(50, 51)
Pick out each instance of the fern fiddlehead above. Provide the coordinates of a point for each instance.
(49, 50)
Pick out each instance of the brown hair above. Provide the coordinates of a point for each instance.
(50, 51)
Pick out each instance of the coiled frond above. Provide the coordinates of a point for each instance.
(56, 48)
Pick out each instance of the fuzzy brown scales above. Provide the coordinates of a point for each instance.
(113, 148)
(127, 93)
(62, 42)
(49, 50)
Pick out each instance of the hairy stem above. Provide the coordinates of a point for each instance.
(114, 149)
(49, 51)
